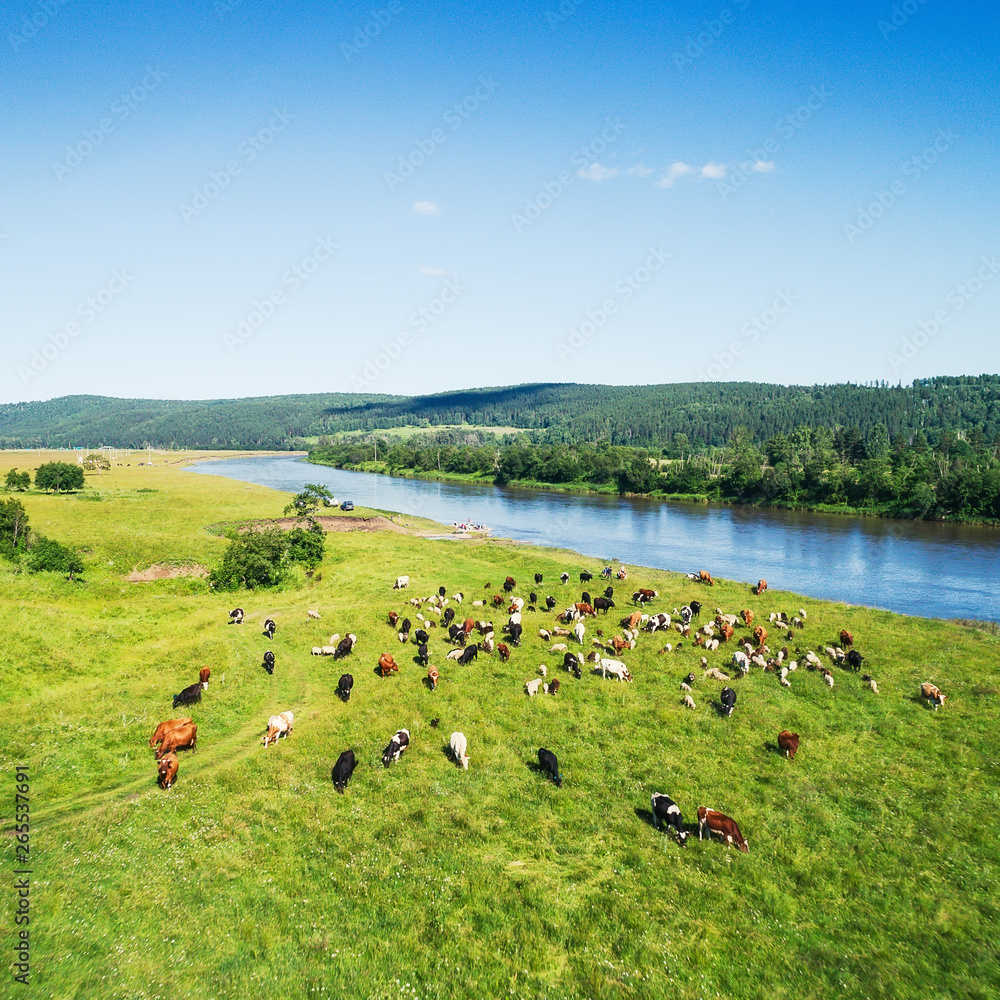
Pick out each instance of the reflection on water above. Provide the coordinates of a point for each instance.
(914, 567)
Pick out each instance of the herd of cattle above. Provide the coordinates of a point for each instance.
(181, 733)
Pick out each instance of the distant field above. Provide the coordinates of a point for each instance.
(875, 855)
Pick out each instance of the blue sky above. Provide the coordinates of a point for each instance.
(246, 198)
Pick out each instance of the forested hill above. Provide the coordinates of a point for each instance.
(706, 413)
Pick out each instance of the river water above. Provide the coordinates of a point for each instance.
(913, 567)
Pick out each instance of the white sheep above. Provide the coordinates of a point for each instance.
(873, 685)
(459, 746)
(559, 647)
(689, 701)
(685, 687)
(545, 634)
(578, 631)
(829, 680)
(531, 687)
(543, 670)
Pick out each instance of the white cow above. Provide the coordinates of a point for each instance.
(277, 726)
(401, 582)
(616, 669)
(459, 745)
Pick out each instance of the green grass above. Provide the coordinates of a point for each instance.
(875, 854)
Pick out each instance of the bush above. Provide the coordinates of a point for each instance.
(19, 481)
(58, 476)
(254, 559)
(47, 555)
(13, 527)
(307, 546)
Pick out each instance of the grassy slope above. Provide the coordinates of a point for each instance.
(875, 862)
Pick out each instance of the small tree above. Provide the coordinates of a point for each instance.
(59, 476)
(13, 527)
(309, 501)
(19, 481)
(47, 555)
(307, 546)
(253, 559)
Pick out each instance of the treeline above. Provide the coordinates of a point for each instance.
(706, 414)
(955, 477)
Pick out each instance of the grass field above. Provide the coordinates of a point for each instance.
(875, 854)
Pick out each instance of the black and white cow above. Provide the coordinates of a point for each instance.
(515, 633)
(344, 687)
(664, 808)
(236, 616)
(343, 770)
(728, 699)
(550, 603)
(662, 620)
(345, 646)
(269, 662)
(396, 746)
(538, 578)
(471, 653)
(550, 766)
(269, 627)
(421, 636)
(189, 695)
(449, 614)
(564, 577)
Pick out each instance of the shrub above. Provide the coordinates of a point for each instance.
(49, 556)
(307, 546)
(254, 559)
(58, 476)
(19, 481)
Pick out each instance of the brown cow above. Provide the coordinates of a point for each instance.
(727, 631)
(618, 644)
(203, 676)
(747, 615)
(932, 694)
(724, 826)
(433, 676)
(759, 634)
(846, 639)
(584, 609)
(632, 620)
(167, 769)
(468, 625)
(761, 587)
(498, 600)
(175, 739)
(386, 664)
(164, 727)
(705, 577)
(504, 650)
(789, 743)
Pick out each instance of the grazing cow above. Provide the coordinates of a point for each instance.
(550, 603)
(343, 770)
(747, 615)
(394, 618)
(515, 634)
(269, 627)
(932, 694)
(726, 630)
(846, 639)
(632, 620)
(616, 669)
(468, 625)
(759, 635)
(421, 636)
(344, 686)
(189, 695)
(405, 626)
(564, 577)
(724, 826)
(570, 661)
(396, 746)
(182, 736)
(550, 766)
(401, 582)
(705, 577)
(553, 687)
(269, 661)
(664, 808)
(728, 699)
(386, 664)
(761, 587)
(498, 600)
(164, 727)
(469, 654)
(345, 646)
(582, 608)
(459, 746)
(618, 644)
(662, 620)
(278, 726)
(203, 676)
(236, 616)
(504, 651)
(423, 656)
(538, 578)
(647, 595)
(585, 597)
(854, 659)
(578, 631)
(449, 614)
(788, 743)
(586, 577)
(433, 677)
(509, 584)
(442, 591)
(532, 599)
(167, 768)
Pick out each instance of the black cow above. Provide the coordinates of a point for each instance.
(269, 627)
(609, 592)
(343, 770)
(695, 607)
(515, 634)
(538, 578)
(471, 653)
(454, 631)
(603, 604)
(236, 616)
(422, 655)
(396, 746)
(532, 598)
(585, 598)
(345, 646)
(269, 662)
(405, 626)
(548, 763)
(509, 585)
(344, 687)
(664, 808)
(441, 591)
(421, 636)
(449, 614)
(550, 603)
(854, 659)
(189, 695)
(585, 576)
(728, 699)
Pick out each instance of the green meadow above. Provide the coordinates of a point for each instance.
(874, 865)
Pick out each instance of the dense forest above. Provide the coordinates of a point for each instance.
(956, 478)
(706, 414)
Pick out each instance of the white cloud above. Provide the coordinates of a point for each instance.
(764, 166)
(639, 171)
(434, 272)
(597, 172)
(426, 208)
(676, 170)
(713, 171)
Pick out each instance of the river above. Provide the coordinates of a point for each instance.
(913, 567)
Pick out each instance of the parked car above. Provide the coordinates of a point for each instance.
(347, 505)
